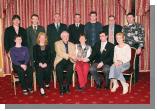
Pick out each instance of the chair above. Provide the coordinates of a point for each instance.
(130, 71)
(15, 78)
(55, 78)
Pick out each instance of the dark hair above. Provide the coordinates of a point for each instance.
(112, 16)
(82, 35)
(35, 15)
(130, 13)
(16, 17)
(77, 14)
(103, 32)
(17, 36)
(93, 12)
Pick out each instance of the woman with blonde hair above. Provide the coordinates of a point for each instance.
(42, 61)
(122, 57)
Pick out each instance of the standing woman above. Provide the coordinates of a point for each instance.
(83, 51)
(122, 57)
(42, 59)
(12, 31)
(20, 59)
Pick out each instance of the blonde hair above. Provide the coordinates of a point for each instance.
(42, 34)
(121, 34)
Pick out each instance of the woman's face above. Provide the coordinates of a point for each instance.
(119, 39)
(18, 40)
(42, 39)
(82, 39)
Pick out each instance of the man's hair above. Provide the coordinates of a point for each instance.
(111, 16)
(35, 15)
(103, 32)
(93, 12)
(16, 17)
(131, 13)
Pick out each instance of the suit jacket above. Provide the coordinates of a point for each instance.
(54, 35)
(117, 28)
(106, 56)
(31, 37)
(9, 36)
(61, 52)
(75, 33)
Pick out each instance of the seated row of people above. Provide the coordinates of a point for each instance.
(112, 60)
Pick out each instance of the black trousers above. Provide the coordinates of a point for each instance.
(136, 69)
(25, 77)
(96, 75)
(43, 76)
(60, 67)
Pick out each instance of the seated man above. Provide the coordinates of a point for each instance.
(65, 55)
(102, 55)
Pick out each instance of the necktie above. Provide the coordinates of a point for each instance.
(57, 27)
(66, 47)
(35, 29)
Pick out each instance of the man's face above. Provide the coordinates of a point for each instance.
(130, 19)
(103, 37)
(65, 37)
(111, 21)
(35, 20)
(93, 17)
(57, 18)
(77, 18)
(16, 22)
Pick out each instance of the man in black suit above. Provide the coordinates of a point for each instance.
(53, 32)
(12, 31)
(112, 29)
(32, 33)
(76, 29)
(102, 55)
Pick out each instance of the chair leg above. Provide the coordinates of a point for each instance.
(130, 84)
(73, 79)
(92, 81)
(54, 79)
(34, 82)
(14, 83)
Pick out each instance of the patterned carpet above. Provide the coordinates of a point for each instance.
(140, 94)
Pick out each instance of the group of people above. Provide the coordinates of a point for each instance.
(77, 47)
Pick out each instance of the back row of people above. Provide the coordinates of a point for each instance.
(134, 33)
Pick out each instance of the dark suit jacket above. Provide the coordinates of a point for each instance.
(75, 33)
(117, 29)
(31, 38)
(9, 36)
(106, 56)
(54, 35)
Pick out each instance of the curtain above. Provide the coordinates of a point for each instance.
(67, 8)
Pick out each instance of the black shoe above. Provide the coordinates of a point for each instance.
(30, 90)
(78, 88)
(66, 89)
(98, 86)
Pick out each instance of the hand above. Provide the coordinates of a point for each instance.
(73, 57)
(40, 64)
(138, 51)
(24, 67)
(118, 63)
(44, 65)
(100, 65)
(85, 60)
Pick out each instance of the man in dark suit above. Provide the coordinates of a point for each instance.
(32, 33)
(102, 55)
(12, 31)
(76, 29)
(112, 29)
(53, 32)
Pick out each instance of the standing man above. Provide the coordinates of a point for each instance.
(112, 29)
(53, 32)
(134, 36)
(32, 33)
(102, 55)
(65, 55)
(92, 29)
(76, 29)
(12, 31)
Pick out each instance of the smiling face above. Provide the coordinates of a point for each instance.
(103, 37)
(120, 38)
(16, 22)
(130, 19)
(82, 39)
(35, 20)
(111, 20)
(18, 40)
(93, 17)
(65, 36)
(77, 18)
(57, 18)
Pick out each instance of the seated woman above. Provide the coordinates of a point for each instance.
(42, 61)
(122, 57)
(20, 60)
(83, 51)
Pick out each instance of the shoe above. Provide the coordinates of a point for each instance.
(98, 86)
(30, 90)
(125, 88)
(42, 91)
(67, 90)
(47, 85)
(79, 89)
(24, 92)
(114, 88)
